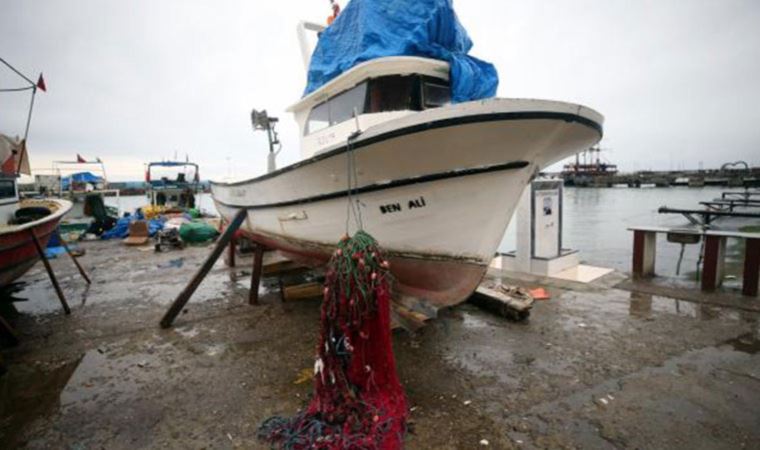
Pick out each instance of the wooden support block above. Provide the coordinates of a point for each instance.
(282, 268)
(714, 263)
(302, 291)
(751, 267)
(406, 318)
(644, 253)
(498, 302)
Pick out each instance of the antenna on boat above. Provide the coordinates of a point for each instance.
(261, 121)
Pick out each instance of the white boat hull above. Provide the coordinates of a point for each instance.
(436, 191)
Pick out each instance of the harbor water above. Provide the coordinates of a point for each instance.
(596, 222)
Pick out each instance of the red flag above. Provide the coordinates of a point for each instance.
(80, 159)
(41, 84)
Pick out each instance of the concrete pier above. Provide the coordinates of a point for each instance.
(617, 363)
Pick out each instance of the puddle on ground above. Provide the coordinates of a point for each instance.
(746, 343)
(643, 305)
(476, 350)
(473, 322)
(98, 374)
(36, 297)
(98, 380)
(28, 392)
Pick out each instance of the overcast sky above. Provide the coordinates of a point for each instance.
(134, 81)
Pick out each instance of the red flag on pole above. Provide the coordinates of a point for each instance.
(41, 84)
(80, 159)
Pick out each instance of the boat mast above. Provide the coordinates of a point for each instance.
(33, 86)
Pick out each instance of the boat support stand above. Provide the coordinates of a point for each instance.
(71, 255)
(226, 239)
(5, 327)
(50, 272)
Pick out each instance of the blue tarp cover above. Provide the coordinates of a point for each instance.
(369, 29)
(80, 177)
(121, 229)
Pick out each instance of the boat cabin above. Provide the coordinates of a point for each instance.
(371, 93)
(8, 197)
(13, 160)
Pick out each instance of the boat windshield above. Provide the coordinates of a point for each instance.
(384, 94)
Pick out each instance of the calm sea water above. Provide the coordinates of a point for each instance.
(596, 222)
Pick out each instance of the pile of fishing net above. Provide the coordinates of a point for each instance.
(358, 401)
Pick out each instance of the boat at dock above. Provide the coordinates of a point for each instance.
(589, 170)
(22, 221)
(434, 180)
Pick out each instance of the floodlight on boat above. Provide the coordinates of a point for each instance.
(261, 121)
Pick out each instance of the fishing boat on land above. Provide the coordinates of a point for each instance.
(176, 191)
(433, 177)
(84, 183)
(22, 221)
(25, 225)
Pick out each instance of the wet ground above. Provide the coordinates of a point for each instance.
(594, 367)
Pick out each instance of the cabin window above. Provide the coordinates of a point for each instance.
(338, 109)
(394, 93)
(435, 94)
(384, 94)
(319, 118)
(342, 107)
(7, 189)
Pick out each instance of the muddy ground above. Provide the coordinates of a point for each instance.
(594, 367)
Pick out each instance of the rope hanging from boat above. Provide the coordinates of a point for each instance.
(353, 206)
(358, 401)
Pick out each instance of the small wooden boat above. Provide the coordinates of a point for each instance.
(17, 250)
(22, 221)
(25, 226)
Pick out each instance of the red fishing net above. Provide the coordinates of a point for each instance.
(358, 400)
